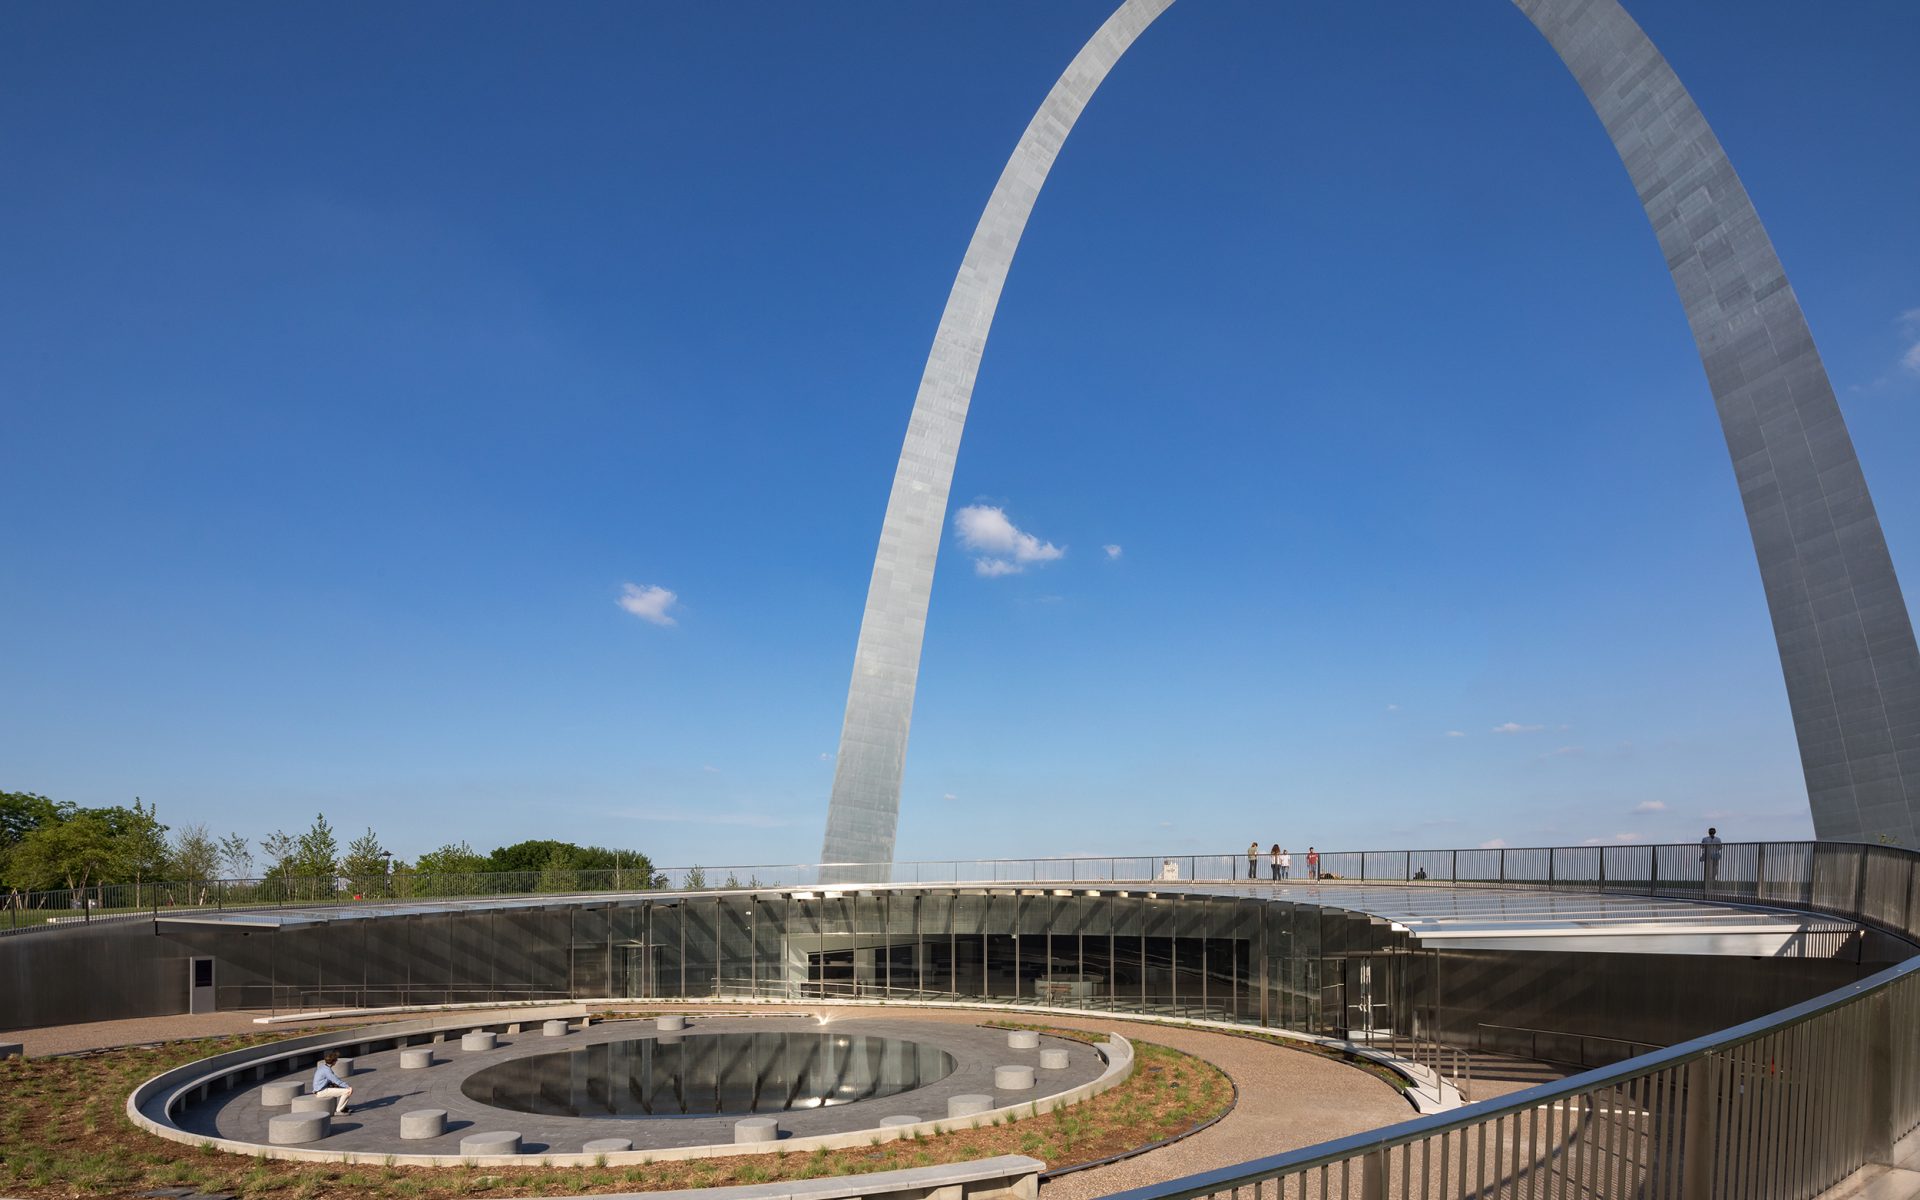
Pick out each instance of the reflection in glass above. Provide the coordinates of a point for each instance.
(715, 1074)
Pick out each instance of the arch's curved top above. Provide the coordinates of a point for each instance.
(1845, 638)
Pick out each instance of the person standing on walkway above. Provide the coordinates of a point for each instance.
(1286, 862)
(1313, 863)
(1253, 860)
(1273, 861)
(328, 1085)
(1710, 858)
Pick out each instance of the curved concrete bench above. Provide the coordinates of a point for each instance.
(325, 1104)
(500, 1142)
(423, 1123)
(554, 1029)
(673, 1024)
(414, 1060)
(1012, 1079)
(894, 1122)
(291, 1129)
(608, 1146)
(967, 1106)
(756, 1129)
(479, 1039)
(1022, 1039)
(1053, 1060)
(282, 1091)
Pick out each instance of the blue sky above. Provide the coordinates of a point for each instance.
(354, 358)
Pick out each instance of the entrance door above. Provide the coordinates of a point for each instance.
(200, 986)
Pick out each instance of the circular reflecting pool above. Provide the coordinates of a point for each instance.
(712, 1074)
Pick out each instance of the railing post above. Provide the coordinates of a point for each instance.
(1877, 1121)
(1550, 867)
(1760, 871)
(1696, 1139)
(1409, 872)
(1373, 1175)
(1456, 866)
(1503, 864)
(1653, 869)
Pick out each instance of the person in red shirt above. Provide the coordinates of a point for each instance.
(1313, 863)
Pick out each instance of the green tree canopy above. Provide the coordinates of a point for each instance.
(74, 853)
(196, 855)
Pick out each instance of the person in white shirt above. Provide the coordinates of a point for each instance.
(1710, 858)
(1286, 863)
(328, 1084)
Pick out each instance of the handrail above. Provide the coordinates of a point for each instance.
(1391, 1136)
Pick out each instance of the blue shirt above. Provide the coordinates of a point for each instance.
(324, 1078)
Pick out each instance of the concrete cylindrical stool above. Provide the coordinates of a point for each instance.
(608, 1146)
(504, 1142)
(1022, 1039)
(673, 1024)
(344, 1067)
(423, 1123)
(413, 1060)
(895, 1122)
(554, 1029)
(282, 1091)
(1012, 1079)
(967, 1106)
(756, 1129)
(290, 1129)
(325, 1104)
(479, 1039)
(1053, 1060)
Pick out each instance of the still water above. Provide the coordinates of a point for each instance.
(712, 1074)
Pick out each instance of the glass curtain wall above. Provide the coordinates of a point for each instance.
(1229, 958)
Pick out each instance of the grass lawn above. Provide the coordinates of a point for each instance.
(64, 1133)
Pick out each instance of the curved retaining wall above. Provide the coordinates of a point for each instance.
(152, 1105)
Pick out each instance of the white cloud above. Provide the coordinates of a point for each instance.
(1393, 708)
(949, 796)
(1494, 844)
(1614, 840)
(1516, 727)
(711, 769)
(1649, 806)
(998, 546)
(1565, 752)
(1112, 550)
(648, 603)
(1910, 321)
(1455, 733)
(825, 757)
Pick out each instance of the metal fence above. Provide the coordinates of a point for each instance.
(1877, 883)
(1780, 1108)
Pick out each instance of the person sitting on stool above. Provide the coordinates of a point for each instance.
(326, 1083)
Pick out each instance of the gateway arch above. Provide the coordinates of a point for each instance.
(1845, 639)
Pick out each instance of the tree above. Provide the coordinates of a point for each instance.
(72, 853)
(23, 812)
(557, 873)
(696, 878)
(235, 856)
(318, 856)
(20, 814)
(365, 865)
(444, 872)
(139, 841)
(280, 849)
(195, 855)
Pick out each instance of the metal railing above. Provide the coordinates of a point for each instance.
(1779, 1108)
(1879, 884)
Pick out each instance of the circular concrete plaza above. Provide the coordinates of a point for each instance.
(662, 1089)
